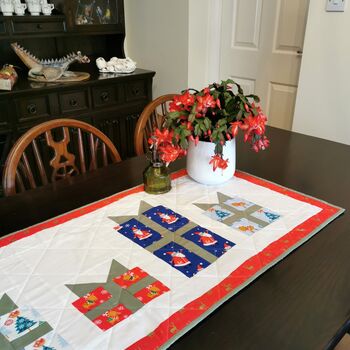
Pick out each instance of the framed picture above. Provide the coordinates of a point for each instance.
(95, 12)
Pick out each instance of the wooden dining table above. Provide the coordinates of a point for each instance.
(299, 303)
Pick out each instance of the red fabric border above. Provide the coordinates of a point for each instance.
(195, 309)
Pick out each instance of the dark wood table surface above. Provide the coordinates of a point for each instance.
(298, 304)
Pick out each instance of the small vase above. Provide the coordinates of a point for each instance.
(156, 179)
(199, 157)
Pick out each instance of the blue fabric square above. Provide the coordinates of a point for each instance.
(139, 233)
(181, 259)
(208, 241)
(166, 218)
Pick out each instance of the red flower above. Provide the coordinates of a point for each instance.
(254, 125)
(261, 144)
(160, 137)
(205, 102)
(234, 128)
(182, 102)
(169, 152)
(218, 162)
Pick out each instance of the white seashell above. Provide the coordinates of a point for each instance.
(101, 63)
(116, 65)
(114, 60)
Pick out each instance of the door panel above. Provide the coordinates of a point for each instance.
(246, 34)
(290, 14)
(261, 44)
(281, 105)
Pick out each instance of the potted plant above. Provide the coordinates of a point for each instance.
(203, 124)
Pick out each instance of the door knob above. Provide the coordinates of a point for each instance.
(300, 52)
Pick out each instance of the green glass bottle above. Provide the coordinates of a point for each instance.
(156, 178)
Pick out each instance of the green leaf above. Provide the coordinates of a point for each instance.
(196, 129)
(230, 106)
(218, 148)
(202, 127)
(222, 122)
(207, 123)
(239, 114)
(174, 115)
(191, 117)
(184, 143)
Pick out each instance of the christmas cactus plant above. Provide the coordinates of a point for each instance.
(214, 114)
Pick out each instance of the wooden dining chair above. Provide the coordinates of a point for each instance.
(47, 153)
(151, 117)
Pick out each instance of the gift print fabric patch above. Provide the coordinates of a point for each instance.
(239, 213)
(111, 317)
(19, 322)
(166, 218)
(238, 203)
(91, 300)
(218, 213)
(23, 328)
(151, 292)
(125, 292)
(130, 277)
(49, 341)
(184, 245)
(266, 215)
(246, 226)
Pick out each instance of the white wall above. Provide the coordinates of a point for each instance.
(157, 39)
(323, 100)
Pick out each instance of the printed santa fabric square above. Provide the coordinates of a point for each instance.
(139, 233)
(181, 259)
(209, 241)
(165, 217)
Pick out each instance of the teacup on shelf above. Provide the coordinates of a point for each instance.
(46, 8)
(6, 7)
(20, 9)
(34, 7)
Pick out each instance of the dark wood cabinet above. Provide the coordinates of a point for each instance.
(111, 102)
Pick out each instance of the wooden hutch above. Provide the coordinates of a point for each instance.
(111, 102)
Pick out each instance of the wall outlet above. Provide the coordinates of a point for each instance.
(335, 6)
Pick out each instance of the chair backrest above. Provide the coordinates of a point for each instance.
(47, 153)
(151, 117)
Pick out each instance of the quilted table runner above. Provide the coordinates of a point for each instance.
(137, 271)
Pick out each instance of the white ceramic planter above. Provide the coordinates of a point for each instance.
(199, 169)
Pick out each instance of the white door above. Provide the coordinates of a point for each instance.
(261, 48)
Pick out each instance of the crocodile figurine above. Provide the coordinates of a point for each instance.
(49, 70)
